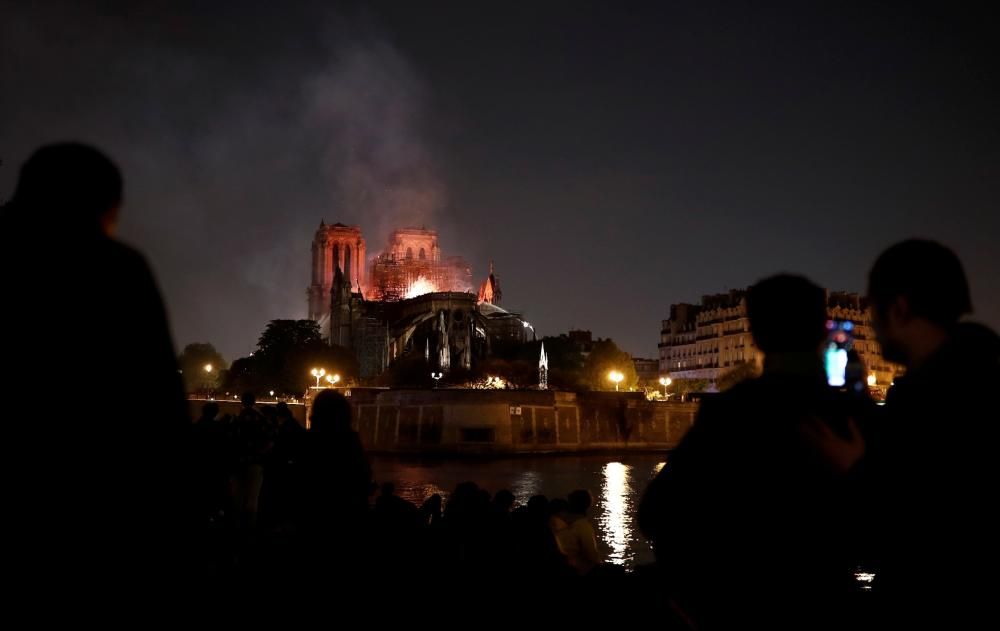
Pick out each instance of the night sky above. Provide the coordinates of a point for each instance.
(612, 158)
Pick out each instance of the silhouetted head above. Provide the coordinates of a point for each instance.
(433, 503)
(503, 500)
(787, 314)
(330, 412)
(538, 504)
(249, 399)
(71, 184)
(916, 287)
(558, 506)
(283, 411)
(388, 488)
(482, 499)
(210, 410)
(580, 501)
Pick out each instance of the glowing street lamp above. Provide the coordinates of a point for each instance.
(665, 381)
(872, 380)
(616, 377)
(272, 394)
(318, 372)
(332, 379)
(208, 378)
(436, 376)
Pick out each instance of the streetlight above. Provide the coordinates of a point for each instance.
(272, 394)
(665, 381)
(436, 376)
(617, 377)
(872, 380)
(318, 372)
(332, 379)
(208, 376)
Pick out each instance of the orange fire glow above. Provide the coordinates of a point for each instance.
(420, 287)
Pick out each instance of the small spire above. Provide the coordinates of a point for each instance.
(491, 267)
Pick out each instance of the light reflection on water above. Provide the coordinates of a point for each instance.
(616, 483)
(615, 520)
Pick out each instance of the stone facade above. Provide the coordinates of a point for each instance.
(336, 247)
(647, 370)
(515, 421)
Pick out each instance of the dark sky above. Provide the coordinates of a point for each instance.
(612, 157)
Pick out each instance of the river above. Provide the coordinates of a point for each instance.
(616, 482)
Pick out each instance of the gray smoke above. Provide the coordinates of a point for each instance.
(236, 135)
(371, 102)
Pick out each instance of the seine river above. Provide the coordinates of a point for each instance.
(616, 482)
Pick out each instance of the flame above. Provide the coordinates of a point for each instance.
(420, 287)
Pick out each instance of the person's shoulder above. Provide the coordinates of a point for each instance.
(718, 403)
(124, 259)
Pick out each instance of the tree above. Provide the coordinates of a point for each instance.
(408, 371)
(242, 376)
(282, 336)
(605, 356)
(201, 366)
(684, 387)
(736, 374)
(286, 352)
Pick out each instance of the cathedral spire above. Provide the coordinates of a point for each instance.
(543, 370)
(489, 291)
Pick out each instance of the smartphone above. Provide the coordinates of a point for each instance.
(835, 356)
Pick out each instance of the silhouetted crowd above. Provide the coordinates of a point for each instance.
(271, 492)
(781, 489)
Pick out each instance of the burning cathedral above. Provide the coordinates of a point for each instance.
(409, 299)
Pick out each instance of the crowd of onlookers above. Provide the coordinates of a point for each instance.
(268, 489)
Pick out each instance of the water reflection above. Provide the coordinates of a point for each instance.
(525, 485)
(616, 514)
(617, 484)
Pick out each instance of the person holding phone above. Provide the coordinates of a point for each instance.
(749, 518)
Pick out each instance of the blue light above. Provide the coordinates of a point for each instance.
(848, 325)
(835, 360)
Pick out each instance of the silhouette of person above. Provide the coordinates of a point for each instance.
(394, 510)
(931, 465)
(211, 476)
(251, 444)
(108, 490)
(430, 511)
(397, 531)
(337, 479)
(536, 553)
(748, 518)
(577, 539)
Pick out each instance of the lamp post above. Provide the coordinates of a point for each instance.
(616, 377)
(332, 379)
(208, 376)
(665, 381)
(436, 376)
(318, 372)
